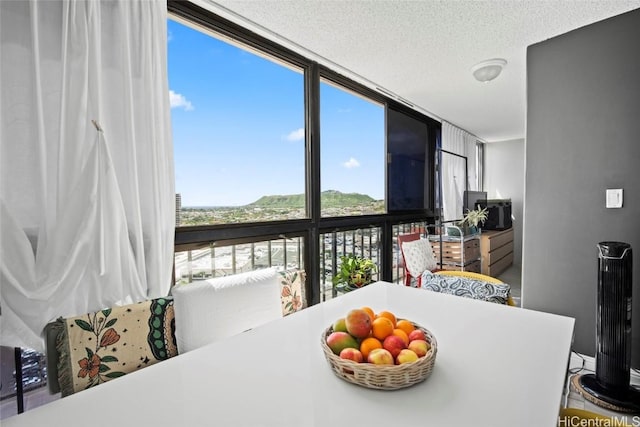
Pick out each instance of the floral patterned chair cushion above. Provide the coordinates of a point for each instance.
(98, 347)
(466, 287)
(292, 290)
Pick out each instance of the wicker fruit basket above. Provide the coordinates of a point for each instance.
(382, 377)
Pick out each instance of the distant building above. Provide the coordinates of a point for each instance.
(178, 208)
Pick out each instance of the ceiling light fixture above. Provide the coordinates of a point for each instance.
(488, 70)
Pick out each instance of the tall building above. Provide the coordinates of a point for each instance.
(178, 208)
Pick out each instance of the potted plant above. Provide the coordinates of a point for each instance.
(471, 221)
(355, 272)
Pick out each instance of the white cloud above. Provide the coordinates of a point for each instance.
(179, 101)
(295, 135)
(351, 163)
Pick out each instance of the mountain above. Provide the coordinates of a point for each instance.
(329, 199)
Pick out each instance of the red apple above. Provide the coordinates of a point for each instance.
(358, 323)
(380, 356)
(351, 354)
(417, 334)
(338, 341)
(420, 347)
(406, 356)
(394, 344)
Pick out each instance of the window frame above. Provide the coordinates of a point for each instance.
(197, 237)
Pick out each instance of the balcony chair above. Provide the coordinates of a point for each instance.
(88, 350)
(213, 309)
(417, 257)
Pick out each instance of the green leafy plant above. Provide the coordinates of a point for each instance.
(474, 217)
(354, 272)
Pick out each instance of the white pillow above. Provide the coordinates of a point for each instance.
(209, 310)
(418, 257)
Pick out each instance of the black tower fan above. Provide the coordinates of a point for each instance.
(610, 386)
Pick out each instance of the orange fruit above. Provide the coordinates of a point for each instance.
(389, 315)
(370, 312)
(405, 325)
(381, 327)
(402, 334)
(369, 344)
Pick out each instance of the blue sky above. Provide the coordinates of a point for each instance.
(238, 127)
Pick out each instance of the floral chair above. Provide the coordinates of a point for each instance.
(417, 257)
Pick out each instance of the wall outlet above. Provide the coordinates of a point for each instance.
(614, 198)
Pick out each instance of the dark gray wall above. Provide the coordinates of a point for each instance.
(583, 136)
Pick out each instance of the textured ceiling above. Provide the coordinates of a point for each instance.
(422, 51)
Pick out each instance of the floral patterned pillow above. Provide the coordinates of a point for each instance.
(101, 346)
(466, 287)
(292, 290)
(418, 256)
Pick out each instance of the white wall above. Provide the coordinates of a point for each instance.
(504, 179)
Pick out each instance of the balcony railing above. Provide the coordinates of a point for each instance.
(364, 243)
(216, 261)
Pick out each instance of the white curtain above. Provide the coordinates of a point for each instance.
(86, 217)
(458, 141)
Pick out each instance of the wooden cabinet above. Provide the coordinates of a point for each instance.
(497, 251)
(457, 253)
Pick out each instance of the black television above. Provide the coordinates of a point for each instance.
(471, 199)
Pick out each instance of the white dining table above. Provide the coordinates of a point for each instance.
(496, 366)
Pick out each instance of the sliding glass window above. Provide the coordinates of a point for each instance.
(238, 131)
(280, 161)
(351, 153)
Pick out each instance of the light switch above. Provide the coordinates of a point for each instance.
(614, 198)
